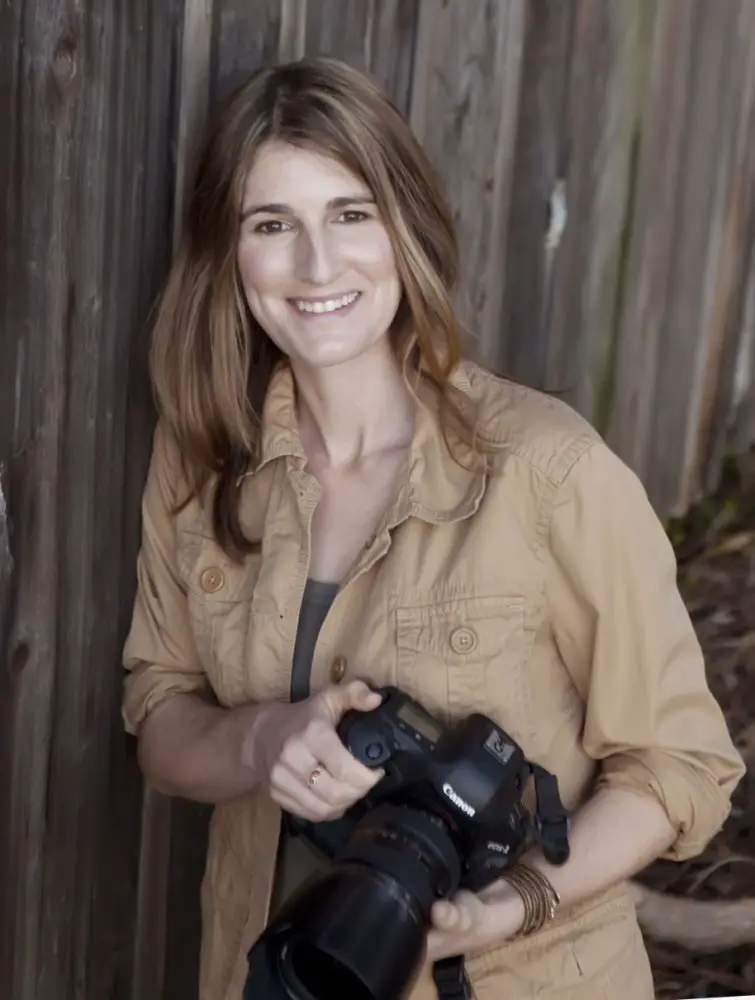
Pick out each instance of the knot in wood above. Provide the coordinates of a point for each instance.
(64, 62)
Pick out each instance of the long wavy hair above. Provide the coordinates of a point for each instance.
(211, 362)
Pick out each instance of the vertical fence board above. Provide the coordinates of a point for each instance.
(692, 339)
(727, 254)
(376, 36)
(682, 300)
(464, 108)
(649, 257)
(538, 155)
(246, 36)
(598, 133)
(75, 289)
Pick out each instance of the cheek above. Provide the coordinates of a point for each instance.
(262, 268)
(375, 258)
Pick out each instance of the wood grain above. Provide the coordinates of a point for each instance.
(595, 140)
(247, 35)
(85, 178)
(464, 108)
(685, 272)
(376, 36)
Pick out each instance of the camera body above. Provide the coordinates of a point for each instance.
(470, 777)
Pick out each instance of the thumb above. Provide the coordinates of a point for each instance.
(337, 700)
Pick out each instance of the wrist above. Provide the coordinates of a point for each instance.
(246, 722)
(506, 908)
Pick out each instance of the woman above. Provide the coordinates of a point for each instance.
(335, 494)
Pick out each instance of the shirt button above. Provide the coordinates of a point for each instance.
(337, 669)
(463, 640)
(212, 579)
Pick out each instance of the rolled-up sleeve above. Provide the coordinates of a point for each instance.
(159, 655)
(626, 637)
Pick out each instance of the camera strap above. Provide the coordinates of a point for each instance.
(451, 980)
(552, 817)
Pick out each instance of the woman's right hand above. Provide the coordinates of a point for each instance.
(291, 743)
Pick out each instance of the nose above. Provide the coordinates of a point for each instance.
(317, 259)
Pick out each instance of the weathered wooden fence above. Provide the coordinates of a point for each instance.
(600, 158)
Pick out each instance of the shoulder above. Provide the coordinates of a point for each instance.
(541, 430)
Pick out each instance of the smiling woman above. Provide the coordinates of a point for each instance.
(335, 494)
(309, 265)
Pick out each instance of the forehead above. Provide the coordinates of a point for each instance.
(295, 175)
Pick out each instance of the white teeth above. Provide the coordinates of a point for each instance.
(330, 305)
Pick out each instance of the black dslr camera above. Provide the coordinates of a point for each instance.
(447, 815)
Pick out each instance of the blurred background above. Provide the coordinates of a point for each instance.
(599, 156)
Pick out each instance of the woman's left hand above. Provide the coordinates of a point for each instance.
(473, 921)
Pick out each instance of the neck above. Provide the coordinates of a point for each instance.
(352, 411)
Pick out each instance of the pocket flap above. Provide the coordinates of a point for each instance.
(464, 630)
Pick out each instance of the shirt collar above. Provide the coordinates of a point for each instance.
(437, 488)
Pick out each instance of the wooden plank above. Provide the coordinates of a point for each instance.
(729, 269)
(174, 834)
(248, 34)
(76, 282)
(538, 172)
(647, 268)
(595, 141)
(740, 424)
(376, 36)
(705, 266)
(464, 108)
(194, 97)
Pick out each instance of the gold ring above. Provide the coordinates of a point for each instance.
(314, 777)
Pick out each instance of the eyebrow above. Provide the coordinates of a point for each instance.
(279, 208)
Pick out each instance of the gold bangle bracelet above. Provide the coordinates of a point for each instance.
(538, 895)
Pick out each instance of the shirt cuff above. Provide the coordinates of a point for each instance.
(148, 685)
(695, 804)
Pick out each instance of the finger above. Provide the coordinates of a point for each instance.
(445, 916)
(295, 808)
(456, 916)
(336, 700)
(324, 743)
(298, 758)
(291, 794)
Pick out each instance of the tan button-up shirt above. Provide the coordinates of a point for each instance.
(541, 591)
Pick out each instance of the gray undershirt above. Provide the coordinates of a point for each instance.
(296, 861)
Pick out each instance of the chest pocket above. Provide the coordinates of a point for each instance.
(465, 655)
(219, 596)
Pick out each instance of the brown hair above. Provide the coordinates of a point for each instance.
(211, 362)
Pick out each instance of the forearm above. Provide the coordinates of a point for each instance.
(614, 835)
(199, 751)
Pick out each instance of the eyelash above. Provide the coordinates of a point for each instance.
(361, 217)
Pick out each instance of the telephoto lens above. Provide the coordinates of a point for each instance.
(360, 929)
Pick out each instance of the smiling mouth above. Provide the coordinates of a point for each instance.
(319, 307)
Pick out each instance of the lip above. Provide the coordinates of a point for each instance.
(343, 311)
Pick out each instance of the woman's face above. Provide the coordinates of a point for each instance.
(314, 256)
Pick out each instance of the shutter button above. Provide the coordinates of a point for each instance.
(212, 579)
(463, 640)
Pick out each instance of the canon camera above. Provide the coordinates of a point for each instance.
(448, 814)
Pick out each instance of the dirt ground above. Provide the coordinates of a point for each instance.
(715, 545)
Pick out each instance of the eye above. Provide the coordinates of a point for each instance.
(270, 227)
(352, 215)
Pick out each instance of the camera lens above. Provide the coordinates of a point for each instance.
(381, 888)
(315, 975)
